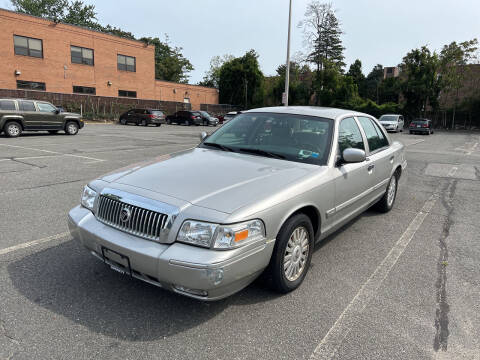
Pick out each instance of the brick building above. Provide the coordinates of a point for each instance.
(39, 54)
(391, 72)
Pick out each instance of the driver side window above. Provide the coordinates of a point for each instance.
(349, 135)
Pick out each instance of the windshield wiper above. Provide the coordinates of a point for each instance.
(219, 146)
(262, 152)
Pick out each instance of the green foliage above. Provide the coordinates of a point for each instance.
(241, 81)
(355, 72)
(322, 33)
(422, 83)
(300, 85)
(170, 64)
(212, 77)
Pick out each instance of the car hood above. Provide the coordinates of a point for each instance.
(70, 114)
(213, 179)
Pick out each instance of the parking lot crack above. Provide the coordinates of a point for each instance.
(4, 332)
(441, 314)
(26, 163)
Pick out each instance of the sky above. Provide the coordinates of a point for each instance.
(375, 31)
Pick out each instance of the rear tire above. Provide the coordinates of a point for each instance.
(71, 128)
(292, 254)
(169, 122)
(123, 121)
(388, 199)
(188, 123)
(13, 129)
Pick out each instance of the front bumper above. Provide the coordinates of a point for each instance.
(81, 124)
(200, 273)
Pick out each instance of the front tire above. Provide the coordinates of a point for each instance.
(71, 128)
(388, 199)
(123, 121)
(13, 129)
(143, 123)
(292, 254)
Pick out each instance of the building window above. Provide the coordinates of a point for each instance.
(126, 93)
(84, 90)
(28, 46)
(126, 63)
(81, 55)
(31, 85)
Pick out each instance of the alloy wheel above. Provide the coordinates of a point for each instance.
(296, 254)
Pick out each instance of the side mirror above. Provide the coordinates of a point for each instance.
(353, 155)
(203, 135)
(57, 111)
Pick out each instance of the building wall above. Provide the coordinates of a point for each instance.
(60, 74)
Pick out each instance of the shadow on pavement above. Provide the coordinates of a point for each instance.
(68, 281)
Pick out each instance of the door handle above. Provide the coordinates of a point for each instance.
(371, 167)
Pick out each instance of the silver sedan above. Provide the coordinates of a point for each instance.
(254, 196)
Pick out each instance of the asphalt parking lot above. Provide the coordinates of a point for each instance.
(402, 285)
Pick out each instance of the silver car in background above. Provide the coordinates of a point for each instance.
(392, 122)
(268, 185)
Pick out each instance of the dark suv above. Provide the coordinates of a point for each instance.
(18, 115)
(143, 117)
(185, 117)
(421, 126)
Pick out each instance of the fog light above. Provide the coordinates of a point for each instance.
(215, 276)
(195, 292)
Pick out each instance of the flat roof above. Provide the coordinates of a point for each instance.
(325, 112)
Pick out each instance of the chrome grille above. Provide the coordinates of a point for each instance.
(142, 222)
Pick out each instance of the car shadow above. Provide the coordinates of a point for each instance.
(68, 281)
(37, 134)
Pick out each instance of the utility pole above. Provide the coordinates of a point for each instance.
(287, 73)
(246, 93)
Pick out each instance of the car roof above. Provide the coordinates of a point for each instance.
(391, 115)
(325, 112)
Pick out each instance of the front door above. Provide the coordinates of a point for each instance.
(353, 181)
(48, 117)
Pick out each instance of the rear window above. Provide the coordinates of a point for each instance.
(157, 112)
(26, 105)
(8, 105)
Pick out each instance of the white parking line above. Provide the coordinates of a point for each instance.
(54, 152)
(472, 149)
(32, 243)
(329, 345)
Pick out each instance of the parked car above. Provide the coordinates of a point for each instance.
(185, 117)
(421, 126)
(229, 116)
(392, 122)
(143, 117)
(18, 115)
(208, 119)
(267, 186)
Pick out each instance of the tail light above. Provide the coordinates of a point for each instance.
(425, 125)
(412, 125)
(151, 116)
(193, 117)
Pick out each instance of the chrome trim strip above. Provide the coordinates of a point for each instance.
(357, 198)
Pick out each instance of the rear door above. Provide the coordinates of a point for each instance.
(380, 154)
(353, 182)
(47, 117)
(29, 112)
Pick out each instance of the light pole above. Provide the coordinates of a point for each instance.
(287, 73)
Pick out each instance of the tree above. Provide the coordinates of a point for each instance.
(372, 83)
(453, 60)
(170, 64)
(322, 36)
(421, 85)
(355, 72)
(300, 84)
(212, 77)
(241, 81)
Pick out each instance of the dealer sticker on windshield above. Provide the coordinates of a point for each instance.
(305, 154)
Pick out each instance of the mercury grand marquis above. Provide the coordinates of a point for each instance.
(255, 196)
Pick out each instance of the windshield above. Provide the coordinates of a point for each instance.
(388, 118)
(298, 138)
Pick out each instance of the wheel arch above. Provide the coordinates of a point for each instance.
(6, 119)
(312, 212)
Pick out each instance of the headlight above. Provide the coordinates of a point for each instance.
(221, 236)
(88, 198)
